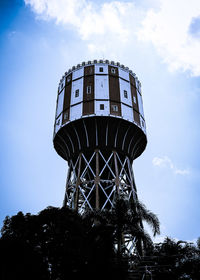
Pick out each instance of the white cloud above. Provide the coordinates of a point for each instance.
(168, 30)
(85, 16)
(167, 26)
(166, 162)
(182, 171)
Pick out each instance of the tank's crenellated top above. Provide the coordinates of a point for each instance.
(95, 61)
(99, 105)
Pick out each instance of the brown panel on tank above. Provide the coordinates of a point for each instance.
(132, 80)
(136, 117)
(112, 70)
(115, 108)
(88, 92)
(67, 95)
(89, 70)
(88, 88)
(114, 92)
(88, 107)
(65, 117)
(134, 98)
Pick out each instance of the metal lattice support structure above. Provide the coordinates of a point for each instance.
(94, 181)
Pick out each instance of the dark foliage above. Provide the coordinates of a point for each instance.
(18, 260)
(56, 235)
(57, 244)
(175, 260)
(127, 218)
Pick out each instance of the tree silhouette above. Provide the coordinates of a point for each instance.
(57, 235)
(18, 260)
(176, 260)
(59, 244)
(56, 244)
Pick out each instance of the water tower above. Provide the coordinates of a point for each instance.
(99, 130)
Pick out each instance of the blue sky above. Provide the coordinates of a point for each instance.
(40, 40)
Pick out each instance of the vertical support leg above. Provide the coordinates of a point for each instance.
(97, 180)
(120, 238)
(133, 186)
(67, 184)
(117, 181)
(139, 242)
(77, 184)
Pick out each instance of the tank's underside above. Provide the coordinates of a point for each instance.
(104, 133)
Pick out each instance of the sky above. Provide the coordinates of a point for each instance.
(159, 40)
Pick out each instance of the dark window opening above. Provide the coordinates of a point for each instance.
(65, 116)
(113, 70)
(77, 93)
(89, 90)
(115, 108)
(101, 106)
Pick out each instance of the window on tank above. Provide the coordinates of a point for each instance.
(101, 106)
(77, 93)
(113, 70)
(125, 94)
(115, 108)
(89, 90)
(65, 116)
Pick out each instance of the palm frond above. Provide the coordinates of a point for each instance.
(149, 217)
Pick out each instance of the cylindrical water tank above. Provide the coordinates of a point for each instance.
(99, 105)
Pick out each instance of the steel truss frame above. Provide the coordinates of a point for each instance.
(94, 181)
